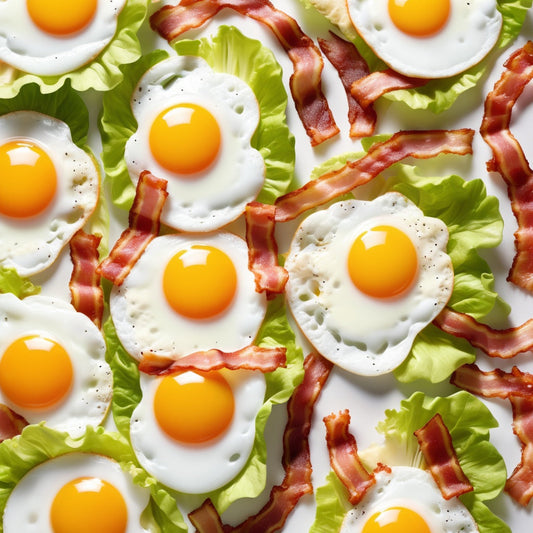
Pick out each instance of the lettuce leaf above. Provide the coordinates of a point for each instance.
(101, 74)
(10, 281)
(37, 443)
(469, 422)
(227, 51)
(275, 331)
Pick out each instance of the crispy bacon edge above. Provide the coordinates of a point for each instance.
(249, 358)
(11, 424)
(144, 224)
(509, 159)
(270, 277)
(351, 66)
(418, 144)
(86, 291)
(344, 458)
(305, 82)
(436, 445)
(296, 460)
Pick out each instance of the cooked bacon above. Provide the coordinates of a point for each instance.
(206, 519)
(509, 159)
(503, 343)
(343, 456)
(249, 358)
(11, 423)
(368, 89)
(437, 448)
(86, 290)
(305, 83)
(494, 383)
(418, 144)
(263, 249)
(144, 225)
(351, 66)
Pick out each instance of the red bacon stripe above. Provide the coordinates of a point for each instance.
(437, 448)
(11, 424)
(206, 519)
(418, 144)
(144, 225)
(305, 83)
(86, 291)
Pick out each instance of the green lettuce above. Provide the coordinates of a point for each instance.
(437, 95)
(228, 51)
(275, 331)
(469, 422)
(10, 281)
(37, 444)
(101, 74)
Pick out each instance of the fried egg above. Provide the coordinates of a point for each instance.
(365, 277)
(80, 492)
(194, 431)
(48, 189)
(428, 38)
(194, 130)
(407, 499)
(52, 37)
(52, 364)
(188, 293)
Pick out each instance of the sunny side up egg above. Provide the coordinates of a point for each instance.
(428, 38)
(365, 277)
(51, 37)
(48, 189)
(76, 492)
(407, 499)
(194, 130)
(52, 364)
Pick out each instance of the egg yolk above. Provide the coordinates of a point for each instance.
(185, 139)
(194, 407)
(61, 17)
(419, 18)
(88, 505)
(383, 262)
(200, 282)
(396, 520)
(28, 179)
(35, 372)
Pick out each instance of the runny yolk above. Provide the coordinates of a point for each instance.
(35, 372)
(194, 407)
(88, 505)
(396, 520)
(28, 179)
(61, 17)
(383, 262)
(419, 18)
(200, 282)
(185, 139)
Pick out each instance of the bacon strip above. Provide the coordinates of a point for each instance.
(305, 83)
(509, 159)
(418, 144)
(86, 290)
(249, 358)
(144, 225)
(351, 66)
(503, 343)
(11, 424)
(437, 448)
(343, 456)
(263, 249)
(368, 89)
(206, 519)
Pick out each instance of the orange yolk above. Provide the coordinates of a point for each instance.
(419, 18)
(28, 179)
(396, 520)
(35, 372)
(185, 139)
(194, 407)
(383, 262)
(61, 17)
(88, 505)
(200, 282)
